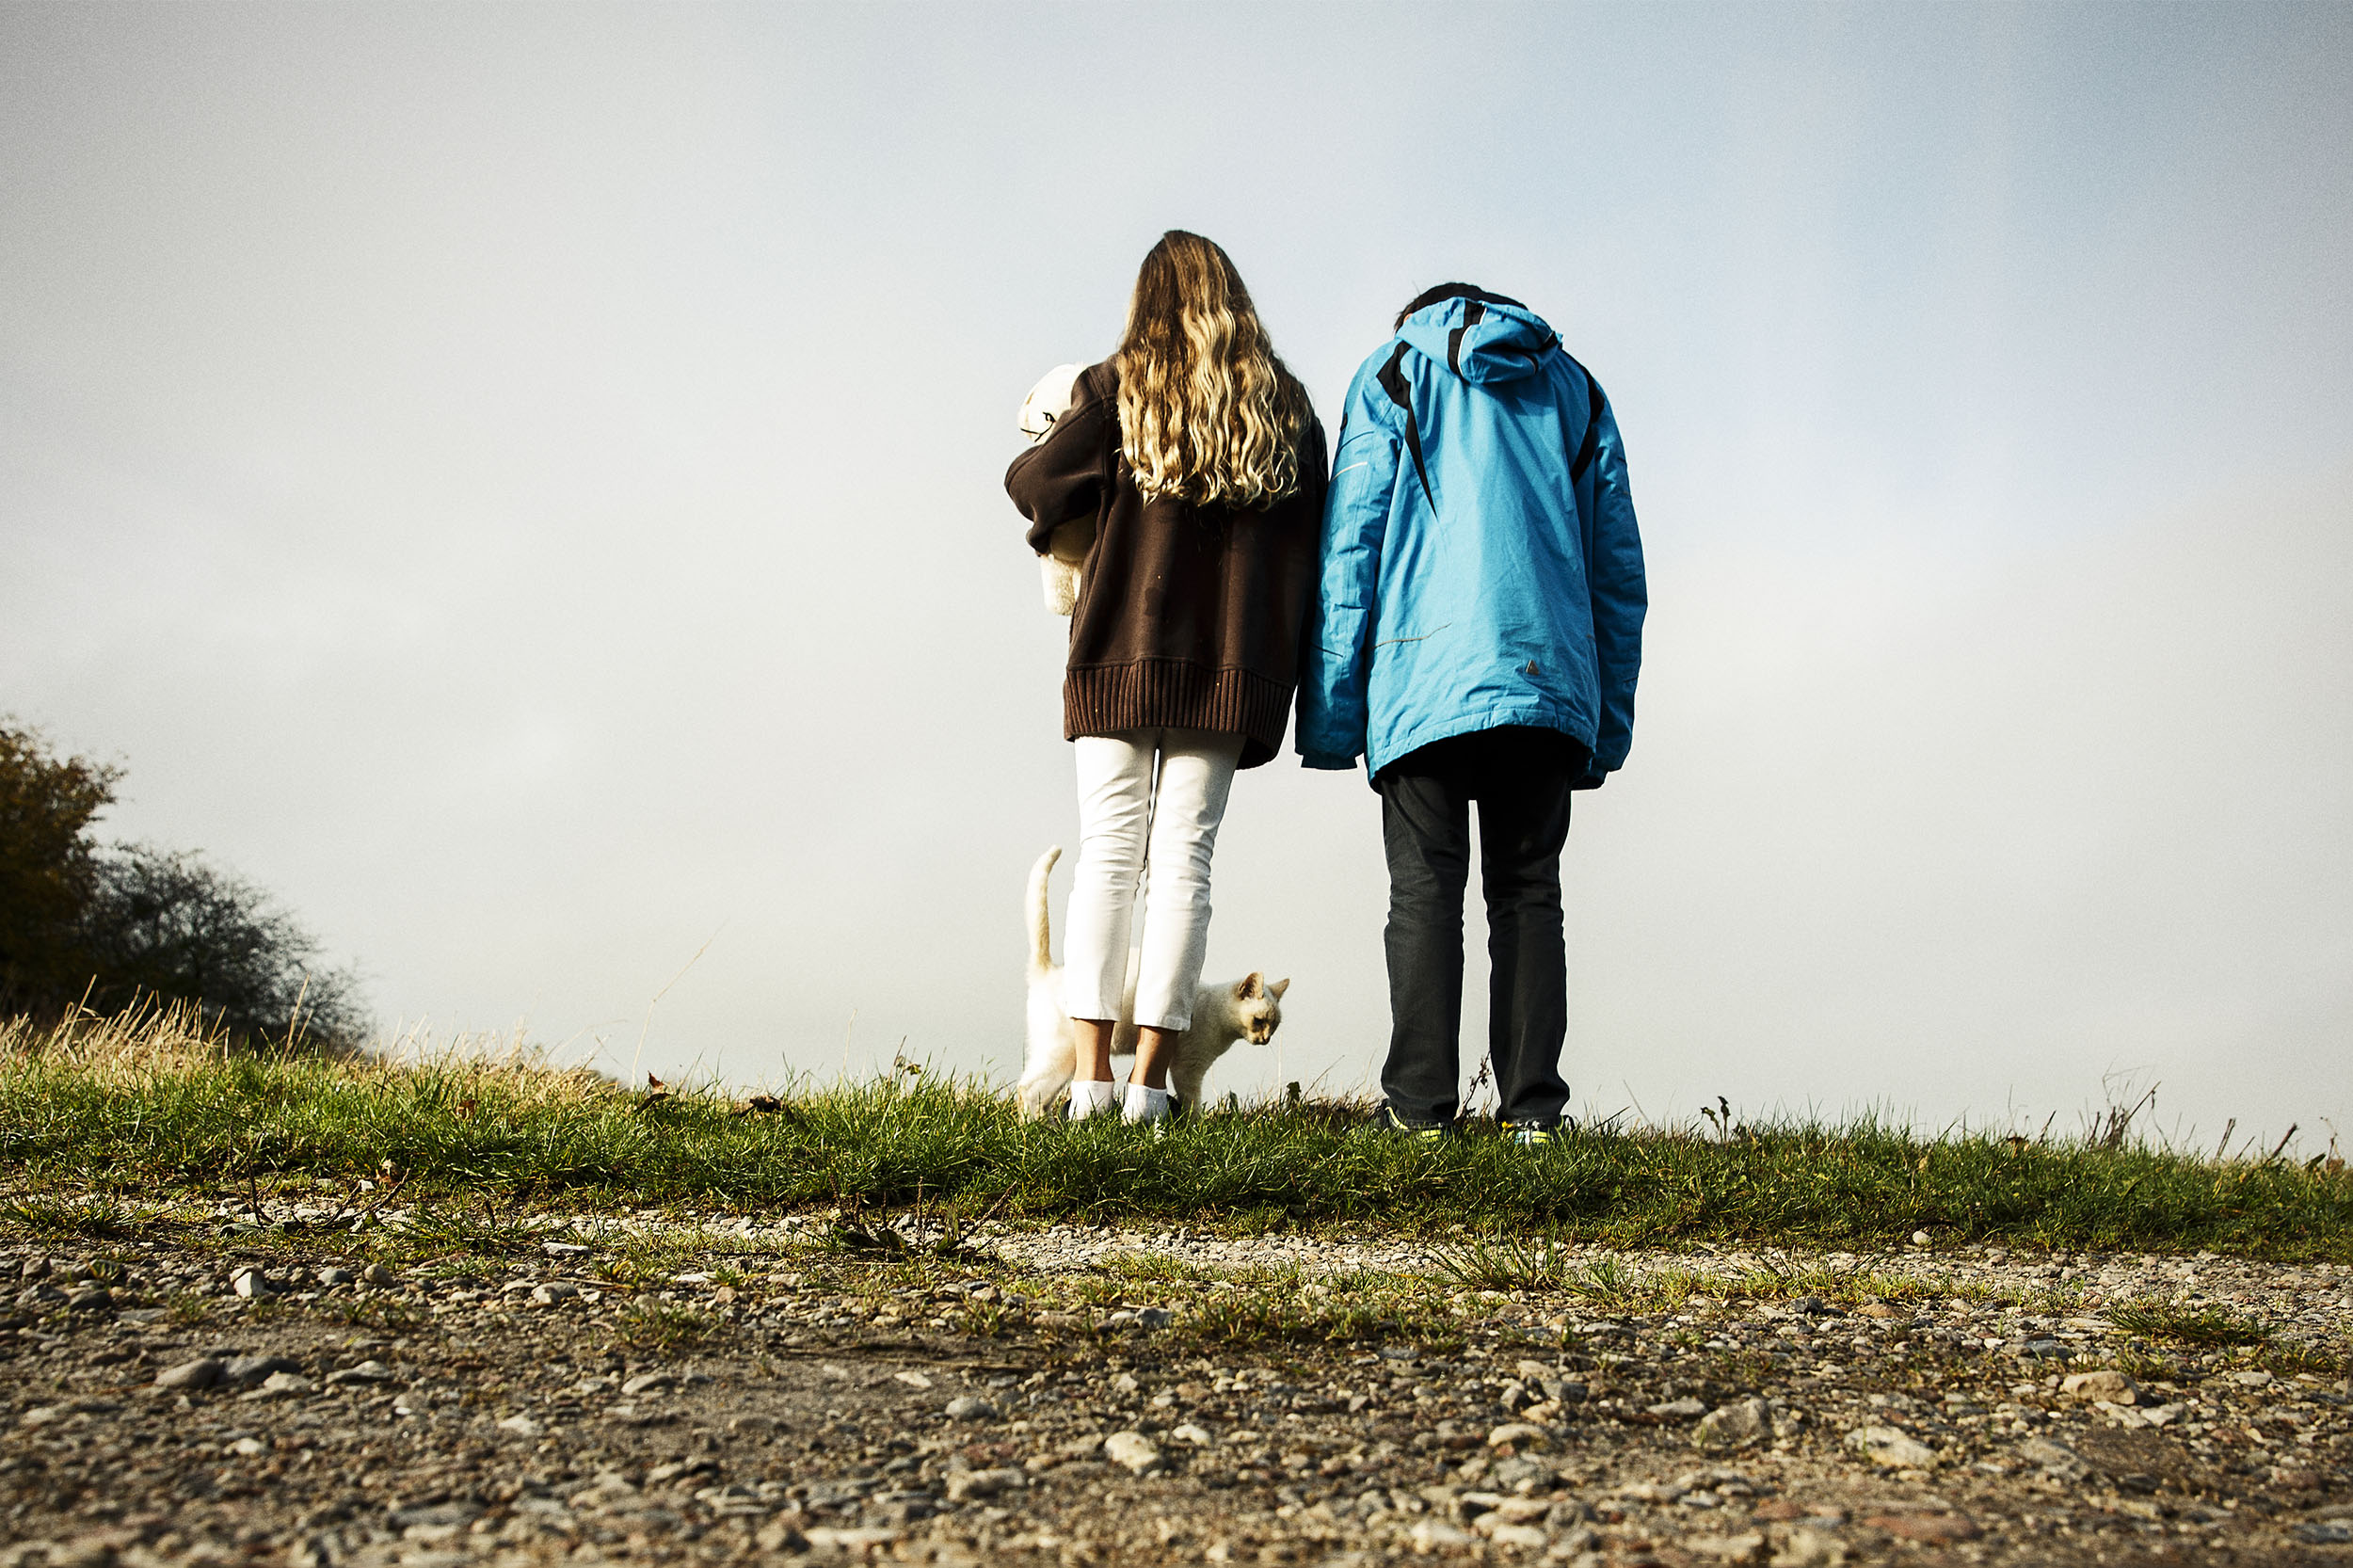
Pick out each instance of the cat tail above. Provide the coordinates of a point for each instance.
(1041, 921)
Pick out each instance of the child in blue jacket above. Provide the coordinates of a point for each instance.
(1475, 636)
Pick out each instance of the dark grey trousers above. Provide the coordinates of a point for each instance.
(1520, 779)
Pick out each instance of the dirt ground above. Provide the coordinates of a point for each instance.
(150, 1415)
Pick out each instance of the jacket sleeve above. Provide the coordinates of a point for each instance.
(1621, 599)
(1336, 652)
(1065, 478)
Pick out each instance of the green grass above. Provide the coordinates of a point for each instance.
(481, 1151)
(1512, 1263)
(663, 1325)
(97, 1218)
(389, 1315)
(1255, 1318)
(2186, 1325)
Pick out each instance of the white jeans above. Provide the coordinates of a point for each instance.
(1118, 811)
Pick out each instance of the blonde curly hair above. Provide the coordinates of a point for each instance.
(1206, 413)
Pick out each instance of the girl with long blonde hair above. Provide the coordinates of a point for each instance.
(1197, 459)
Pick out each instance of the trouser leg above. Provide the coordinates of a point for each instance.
(1523, 823)
(1196, 774)
(1425, 828)
(1114, 801)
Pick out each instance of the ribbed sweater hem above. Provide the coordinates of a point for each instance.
(1152, 694)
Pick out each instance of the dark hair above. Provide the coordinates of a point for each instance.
(1428, 298)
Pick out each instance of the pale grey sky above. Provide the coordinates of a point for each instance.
(523, 483)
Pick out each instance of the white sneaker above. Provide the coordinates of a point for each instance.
(1093, 1099)
(1148, 1105)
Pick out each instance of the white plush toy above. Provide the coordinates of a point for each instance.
(1048, 402)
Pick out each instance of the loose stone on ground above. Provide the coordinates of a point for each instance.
(337, 1412)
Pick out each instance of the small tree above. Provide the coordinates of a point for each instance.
(166, 924)
(48, 869)
(109, 928)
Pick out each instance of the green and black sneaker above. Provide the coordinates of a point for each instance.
(1387, 1120)
(1537, 1136)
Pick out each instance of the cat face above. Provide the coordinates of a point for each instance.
(1258, 1006)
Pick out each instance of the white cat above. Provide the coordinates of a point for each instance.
(1061, 565)
(1223, 1015)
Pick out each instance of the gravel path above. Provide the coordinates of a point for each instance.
(758, 1397)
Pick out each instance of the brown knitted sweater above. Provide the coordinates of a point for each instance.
(1186, 616)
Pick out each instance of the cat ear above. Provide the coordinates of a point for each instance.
(1250, 985)
(1280, 986)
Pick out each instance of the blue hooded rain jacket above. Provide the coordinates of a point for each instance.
(1480, 566)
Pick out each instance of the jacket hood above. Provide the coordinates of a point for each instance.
(1481, 340)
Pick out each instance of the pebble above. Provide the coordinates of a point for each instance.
(1524, 1434)
(521, 1425)
(246, 1371)
(1651, 1490)
(367, 1372)
(376, 1273)
(2108, 1385)
(464, 1510)
(780, 1535)
(1512, 1472)
(852, 1542)
(1890, 1447)
(1735, 1426)
(251, 1284)
(965, 1485)
(647, 1383)
(608, 1486)
(555, 1292)
(283, 1385)
(1807, 1547)
(1747, 1548)
(1936, 1529)
(93, 1300)
(1132, 1450)
(332, 1277)
(970, 1407)
(203, 1372)
(2053, 1459)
